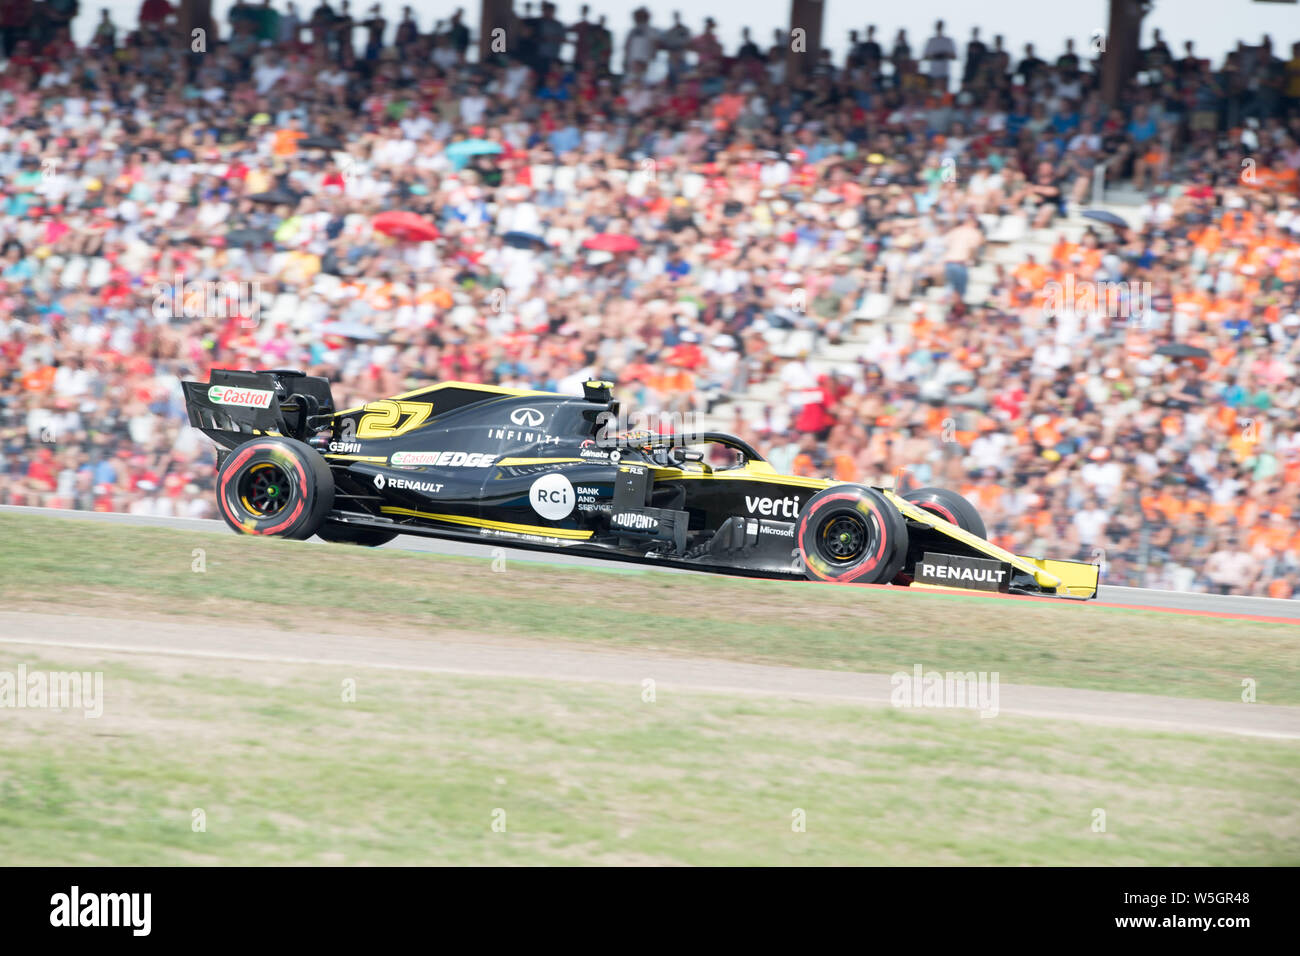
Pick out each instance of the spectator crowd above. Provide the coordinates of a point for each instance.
(854, 261)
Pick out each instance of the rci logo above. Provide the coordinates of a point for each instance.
(552, 496)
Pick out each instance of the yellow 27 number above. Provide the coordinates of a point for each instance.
(381, 418)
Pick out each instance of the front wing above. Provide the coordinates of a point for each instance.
(1076, 580)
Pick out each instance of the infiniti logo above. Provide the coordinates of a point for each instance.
(530, 417)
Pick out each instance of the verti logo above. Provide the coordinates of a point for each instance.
(773, 507)
(528, 417)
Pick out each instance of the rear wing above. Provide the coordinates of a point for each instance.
(234, 406)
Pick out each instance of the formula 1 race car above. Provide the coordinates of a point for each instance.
(554, 472)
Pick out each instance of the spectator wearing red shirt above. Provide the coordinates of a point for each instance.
(41, 470)
(815, 417)
(155, 11)
(15, 20)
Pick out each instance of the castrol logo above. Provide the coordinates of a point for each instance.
(243, 397)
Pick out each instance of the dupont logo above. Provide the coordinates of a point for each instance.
(243, 397)
(638, 522)
(981, 574)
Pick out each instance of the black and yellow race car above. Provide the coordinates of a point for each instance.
(554, 472)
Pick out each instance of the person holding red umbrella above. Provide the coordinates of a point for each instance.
(611, 242)
(405, 226)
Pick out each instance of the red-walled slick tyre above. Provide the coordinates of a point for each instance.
(850, 534)
(275, 486)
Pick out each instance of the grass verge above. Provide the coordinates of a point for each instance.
(114, 569)
(417, 769)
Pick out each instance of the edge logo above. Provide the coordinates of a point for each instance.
(446, 459)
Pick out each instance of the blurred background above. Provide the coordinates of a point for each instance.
(1212, 24)
(1056, 268)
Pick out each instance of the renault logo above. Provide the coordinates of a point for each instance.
(529, 417)
(379, 482)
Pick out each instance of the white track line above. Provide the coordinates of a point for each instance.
(567, 664)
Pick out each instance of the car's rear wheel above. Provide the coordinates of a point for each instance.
(949, 506)
(851, 534)
(275, 486)
(337, 533)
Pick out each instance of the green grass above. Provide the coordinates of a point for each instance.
(112, 569)
(413, 770)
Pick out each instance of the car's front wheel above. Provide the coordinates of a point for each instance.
(949, 506)
(851, 534)
(275, 486)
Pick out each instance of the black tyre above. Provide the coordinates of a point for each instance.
(275, 486)
(851, 534)
(949, 506)
(337, 533)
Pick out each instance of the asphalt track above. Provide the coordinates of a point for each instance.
(1217, 605)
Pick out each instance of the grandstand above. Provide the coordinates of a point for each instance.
(855, 262)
